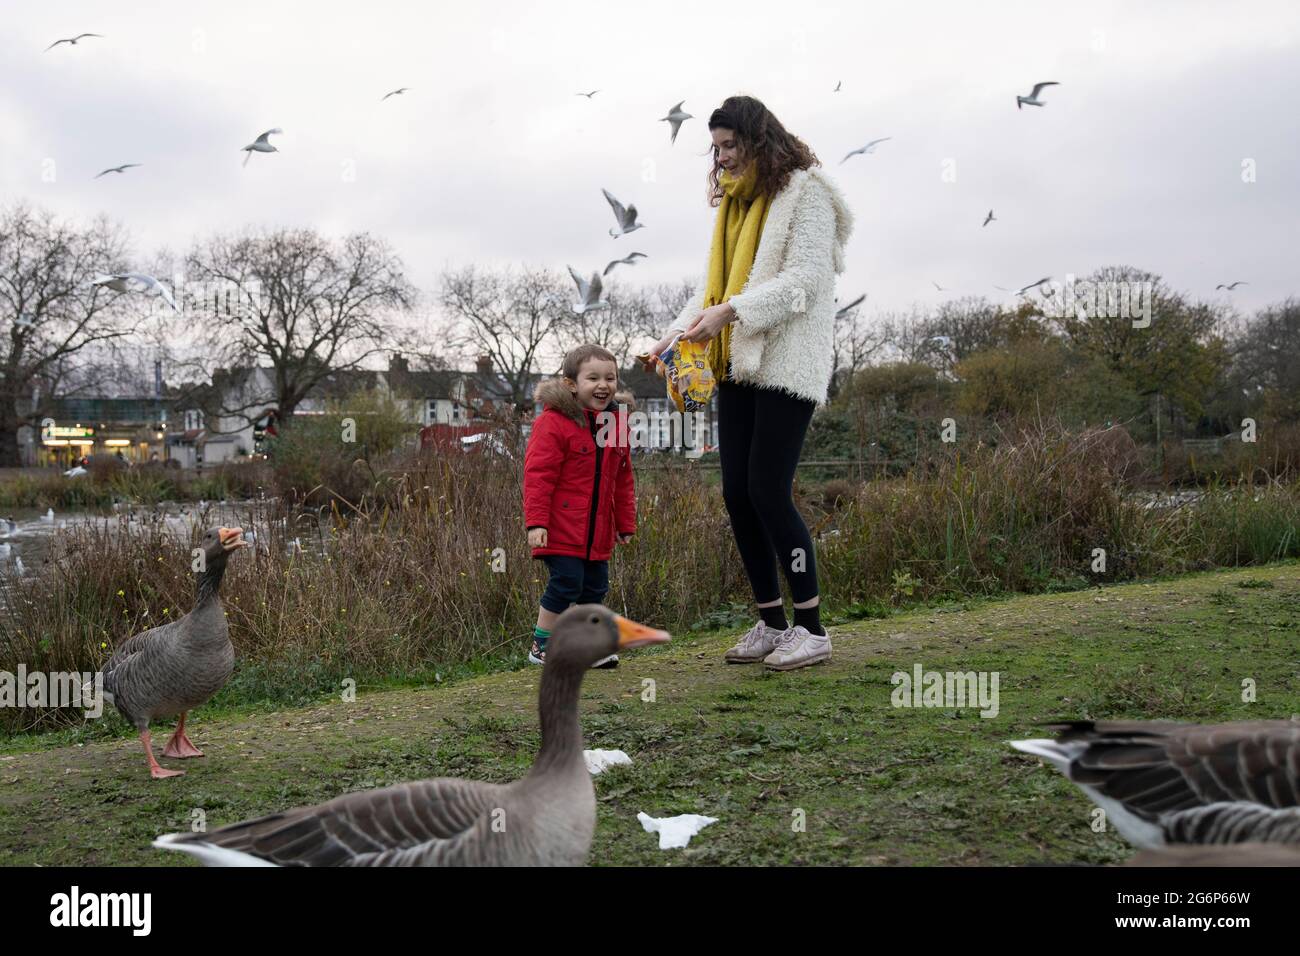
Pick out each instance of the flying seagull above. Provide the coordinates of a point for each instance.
(630, 260)
(397, 92)
(626, 217)
(988, 219)
(594, 92)
(838, 84)
(676, 117)
(1024, 289)
(869, 148)
(840, 313)
(1231, 286)
(937, 286)
(122, 282)
(72, 40)
(119, 169)
(1032, 99)
(261, 144)
(588, 293)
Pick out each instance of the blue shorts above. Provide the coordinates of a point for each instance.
(574, 581)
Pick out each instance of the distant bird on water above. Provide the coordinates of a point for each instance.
(72, 41)
(119, 169)
(865, 150)
(262, 144)
(1032, 99)
(676, 117)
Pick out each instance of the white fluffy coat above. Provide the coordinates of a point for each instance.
(786, 311)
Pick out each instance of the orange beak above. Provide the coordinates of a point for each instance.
(232, 538)
(632, 634)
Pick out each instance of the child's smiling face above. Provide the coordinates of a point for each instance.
(596, 383)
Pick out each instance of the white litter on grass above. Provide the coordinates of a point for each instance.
(598, 761)
(675, 832)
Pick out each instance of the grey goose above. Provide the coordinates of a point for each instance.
(1164, 783)
(547, 818)
(175, 667)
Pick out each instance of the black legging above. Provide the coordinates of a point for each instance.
(760, 434)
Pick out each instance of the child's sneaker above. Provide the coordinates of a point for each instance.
(537, 655)
(607, 663)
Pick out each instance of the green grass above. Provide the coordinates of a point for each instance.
(876, 784)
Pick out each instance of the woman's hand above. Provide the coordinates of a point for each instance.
(709, 323)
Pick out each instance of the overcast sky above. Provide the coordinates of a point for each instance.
(491, 158)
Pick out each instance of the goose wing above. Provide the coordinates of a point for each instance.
(425, 822)
(1155, 768)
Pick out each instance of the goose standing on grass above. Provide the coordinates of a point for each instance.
(175, 667)
(1170, 783)
(545, 819)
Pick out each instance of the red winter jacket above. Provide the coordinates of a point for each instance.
(560, 477)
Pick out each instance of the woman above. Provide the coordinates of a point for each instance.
(767, 308)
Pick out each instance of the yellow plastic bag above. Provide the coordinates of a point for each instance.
(687, 372)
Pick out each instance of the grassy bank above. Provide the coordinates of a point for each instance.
(876, 784)
(436, 575)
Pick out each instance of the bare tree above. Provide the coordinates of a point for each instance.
(617, 327)
(297, 301)
(505, 316)
(855, 341)
(51, 313)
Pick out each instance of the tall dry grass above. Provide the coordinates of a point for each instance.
(433, 572)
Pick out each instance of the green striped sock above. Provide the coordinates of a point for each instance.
(540, 637)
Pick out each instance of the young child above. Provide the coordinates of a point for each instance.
(578, 488)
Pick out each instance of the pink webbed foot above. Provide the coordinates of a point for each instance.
(179, 746)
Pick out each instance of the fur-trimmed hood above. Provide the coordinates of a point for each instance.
(553, 393)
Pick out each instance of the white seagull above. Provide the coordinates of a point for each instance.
(397, 92)
(865, 150)
(593, 93)
(988, 219)
(676, 117)
(73, 40)
(629, 260)
(1231, 286)
(1024, 289)
(838, 84)
(626, 216)
(261, 144)
(588, 293)
(840, 313)
(122, 282)
(119, 169)
(1032, 99)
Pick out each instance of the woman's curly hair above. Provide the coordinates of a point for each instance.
(762, 139)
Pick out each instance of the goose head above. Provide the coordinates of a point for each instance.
(219, 543)
(585, 633)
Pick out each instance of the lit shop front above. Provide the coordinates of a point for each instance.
(65, 445)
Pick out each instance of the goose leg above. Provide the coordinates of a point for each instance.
(155, 771)
(179, 745)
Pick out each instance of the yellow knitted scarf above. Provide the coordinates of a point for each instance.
(736, 232)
